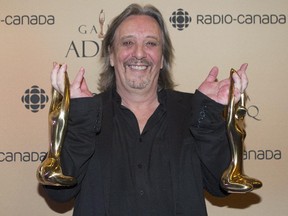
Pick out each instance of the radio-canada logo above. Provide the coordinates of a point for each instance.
(35, 99)
(180, 19)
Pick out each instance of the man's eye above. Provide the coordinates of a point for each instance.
(127, 43)
(151, 44)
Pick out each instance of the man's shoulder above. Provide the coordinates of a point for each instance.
(179, 94)
(179, 98)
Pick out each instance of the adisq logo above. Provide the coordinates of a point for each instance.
(88, 48)
(34, 99)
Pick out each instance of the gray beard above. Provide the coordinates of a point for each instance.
(138, 85)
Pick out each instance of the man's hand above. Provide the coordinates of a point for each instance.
(79, 86)
(219, 90)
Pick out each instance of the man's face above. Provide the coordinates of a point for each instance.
(136, 53)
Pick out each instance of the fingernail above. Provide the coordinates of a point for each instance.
(246, 65)
(63, 66)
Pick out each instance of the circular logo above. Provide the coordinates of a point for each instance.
(34, 98)
(180, 19)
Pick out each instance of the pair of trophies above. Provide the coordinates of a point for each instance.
(233, 179)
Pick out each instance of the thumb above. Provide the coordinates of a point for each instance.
(212, 76)
(79, 78)
(83, 85)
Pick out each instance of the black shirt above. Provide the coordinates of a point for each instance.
(182, 151)
(141, 176)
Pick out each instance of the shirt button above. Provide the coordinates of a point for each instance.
(141, 192)
(140, 166)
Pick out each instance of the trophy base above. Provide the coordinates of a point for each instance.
(240, 183)
(50, 173)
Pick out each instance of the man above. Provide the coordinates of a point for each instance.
(157, 149)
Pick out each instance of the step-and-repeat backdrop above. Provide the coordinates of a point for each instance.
(34, 34)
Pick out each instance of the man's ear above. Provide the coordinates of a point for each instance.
(162, 62)
(111, 57)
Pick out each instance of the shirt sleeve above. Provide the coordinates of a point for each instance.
(84, 122)
(208, 129)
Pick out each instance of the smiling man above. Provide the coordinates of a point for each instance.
(140, 148)
(136, 54)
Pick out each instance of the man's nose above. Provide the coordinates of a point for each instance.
(139, 51)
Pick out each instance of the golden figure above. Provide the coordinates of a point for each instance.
(101, 22)
(233, 178)
(50, 172)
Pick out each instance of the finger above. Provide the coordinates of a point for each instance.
(60, 82)
(243, 76)
(53, 75)
(244, 80)
(237, 85)
(79, 78)
(84, 86)
(243, 67)
(212, 76)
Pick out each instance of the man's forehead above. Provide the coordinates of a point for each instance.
(139, 24)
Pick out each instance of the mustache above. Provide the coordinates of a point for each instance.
(135, 61)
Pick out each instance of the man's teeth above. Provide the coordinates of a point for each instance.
(138, 67)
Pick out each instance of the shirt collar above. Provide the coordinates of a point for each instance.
(162, 96)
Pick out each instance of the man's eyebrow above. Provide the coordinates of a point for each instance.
(132, 36)
(126, 36)
(153, 37)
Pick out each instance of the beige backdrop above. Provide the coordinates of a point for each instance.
(224, 33)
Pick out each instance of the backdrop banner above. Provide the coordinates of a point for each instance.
(34, 34)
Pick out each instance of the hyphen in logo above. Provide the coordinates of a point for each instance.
(180, 19)
(34, 99)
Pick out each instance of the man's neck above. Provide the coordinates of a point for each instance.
(141, 104)
(138, 99)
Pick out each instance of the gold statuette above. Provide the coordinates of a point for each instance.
(50, 172)
(101, 22)
(233, 179)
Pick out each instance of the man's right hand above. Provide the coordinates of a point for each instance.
(78, 88)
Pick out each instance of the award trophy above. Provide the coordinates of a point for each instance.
(233, 179)
(101, 22)
(50, 172)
